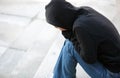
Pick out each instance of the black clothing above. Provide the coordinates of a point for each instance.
(95, 38)
(68, 34)
(61, 14)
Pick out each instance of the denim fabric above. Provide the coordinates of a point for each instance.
(68, 59)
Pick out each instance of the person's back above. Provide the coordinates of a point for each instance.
(104, 34)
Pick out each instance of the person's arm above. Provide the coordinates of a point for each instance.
(88, 49)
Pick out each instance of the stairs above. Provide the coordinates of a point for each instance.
(29, 46)
(47, 66)
(25, 39)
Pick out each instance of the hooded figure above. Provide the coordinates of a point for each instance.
(61, 14)
(94, 37)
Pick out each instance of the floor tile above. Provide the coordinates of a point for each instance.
(37, 30)
(9, 60)
(2, 50)
(9, 33)
(25, 10)
(17, 20)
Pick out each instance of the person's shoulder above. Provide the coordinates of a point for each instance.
(79, 22)
(83, 13)
(86, 8)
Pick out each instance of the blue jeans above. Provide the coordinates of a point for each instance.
(68, 59)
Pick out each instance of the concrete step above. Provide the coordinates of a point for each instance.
(47, 66)
(37, 31)
(9, 33)
(13, 19)
(22, 49)
(27, 10)
(8, 61)
(20, 63)
(2, 50)
(30, 62)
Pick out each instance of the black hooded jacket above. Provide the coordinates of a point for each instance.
(95, 38)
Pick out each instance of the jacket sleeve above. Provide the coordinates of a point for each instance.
(88, 49)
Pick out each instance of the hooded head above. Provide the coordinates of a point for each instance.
(61, 14)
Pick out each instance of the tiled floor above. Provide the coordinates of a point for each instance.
(28, 44)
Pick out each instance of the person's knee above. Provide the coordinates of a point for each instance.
(69, 50)
(69, 46)
(69, 64)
